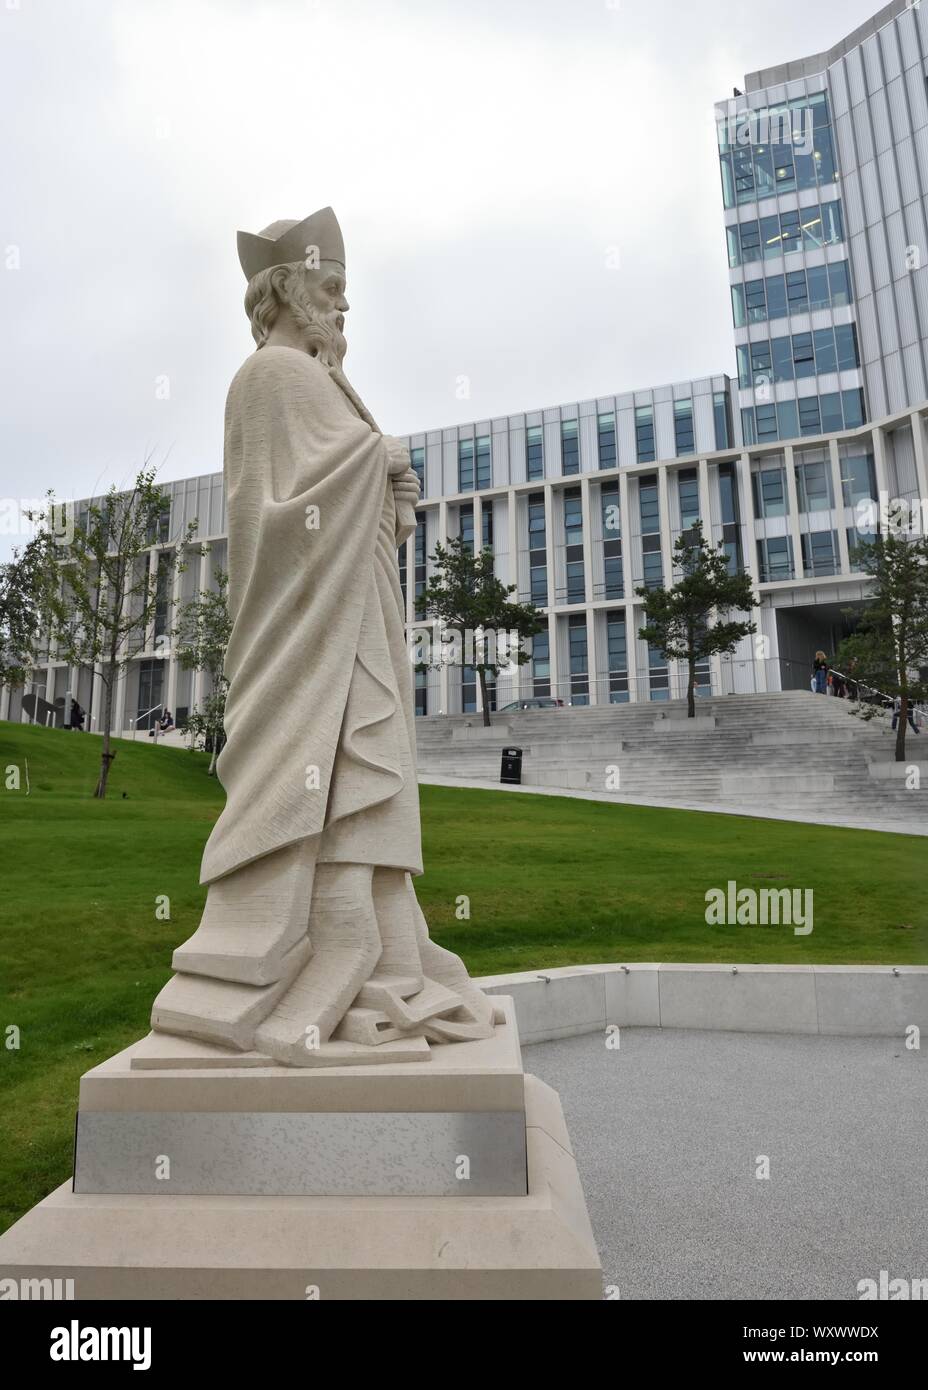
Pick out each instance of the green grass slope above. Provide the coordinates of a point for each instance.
(550, 881)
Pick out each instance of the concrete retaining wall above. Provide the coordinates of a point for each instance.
(850, 1000)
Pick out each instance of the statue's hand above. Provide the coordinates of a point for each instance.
(406, 487)
(397, 456)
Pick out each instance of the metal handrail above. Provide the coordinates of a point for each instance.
(872, 690)
(135, 722)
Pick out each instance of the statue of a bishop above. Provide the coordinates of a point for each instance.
(311, 931)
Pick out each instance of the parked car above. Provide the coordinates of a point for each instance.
(540, 702)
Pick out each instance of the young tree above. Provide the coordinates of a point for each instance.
(110, 597)
(679, 619)
(203, 631)
(30, 601)
(476, 610)
(890, 644)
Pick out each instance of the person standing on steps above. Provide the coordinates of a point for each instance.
(820, 674)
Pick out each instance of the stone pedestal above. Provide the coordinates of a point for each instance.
(447, 1177)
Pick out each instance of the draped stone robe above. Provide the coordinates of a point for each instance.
(319, 713)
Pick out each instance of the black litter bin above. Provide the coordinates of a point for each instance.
(511, 770)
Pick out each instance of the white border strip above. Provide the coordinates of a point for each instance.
(846, 1000)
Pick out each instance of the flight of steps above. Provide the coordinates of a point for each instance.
(785, 752)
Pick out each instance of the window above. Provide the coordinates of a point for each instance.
(649, 511)
(613, 581)
(573, 538)
(417, 459)
(534, 453)
(617, 653)
(803, 355)
(688, 491)
(858, 475)
(819, 549)
(468, 690)
(484, 462)
(813, 482)
(487, 524)
(774, 559)
(579, 660)
(658, 674)
(159, 526)
(570, 447)
(537, 549)
(466, 525)
(810, 421)
(151, 681)
(541, 664)
(683, 427)
(644, 433)
(721, 410)
(422, 693)
(769, 483)
(853, 406)
(465, 465)
(420, 581)
(402, 559)
(847, 354)
(731, 516)
(606, 440)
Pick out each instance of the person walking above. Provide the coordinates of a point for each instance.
(820, 674)
(897, 710)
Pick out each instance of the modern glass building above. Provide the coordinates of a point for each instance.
(824, 178)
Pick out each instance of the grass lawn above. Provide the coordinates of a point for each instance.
(551, 881)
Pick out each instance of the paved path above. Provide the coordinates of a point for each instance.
(840, 818)
(667, 1130)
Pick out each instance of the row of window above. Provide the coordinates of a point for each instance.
(796, 292)
(784, 232)
(819, 554)
(801, 355)
(827, 414)
(475, 459)
(814, 492)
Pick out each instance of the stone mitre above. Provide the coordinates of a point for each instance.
(288, 241)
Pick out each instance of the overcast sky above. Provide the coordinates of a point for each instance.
(489, 160)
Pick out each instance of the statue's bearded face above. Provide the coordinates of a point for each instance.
(316, 299)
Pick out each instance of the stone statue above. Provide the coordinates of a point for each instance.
(311, 932)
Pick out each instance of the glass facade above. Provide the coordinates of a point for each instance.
(801, 355)
(795, 292)
(826, 414)
(776, 149)
(786, 231)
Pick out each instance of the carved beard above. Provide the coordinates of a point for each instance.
(321, 334)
